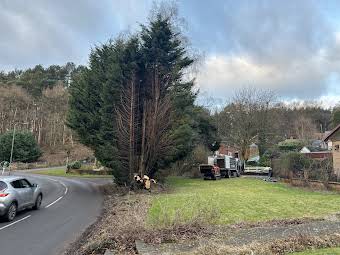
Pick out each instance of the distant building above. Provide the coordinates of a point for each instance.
(254, 152)
(334, 136)
(226, 150)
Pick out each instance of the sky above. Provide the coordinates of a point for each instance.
(288, 46)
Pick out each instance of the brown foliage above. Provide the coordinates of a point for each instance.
(45, 117)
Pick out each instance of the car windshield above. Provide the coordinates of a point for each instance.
(2, 185)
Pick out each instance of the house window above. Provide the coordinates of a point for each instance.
(337, 148)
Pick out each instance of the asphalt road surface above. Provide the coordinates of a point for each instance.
(69, 206)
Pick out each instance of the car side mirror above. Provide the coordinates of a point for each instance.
(34, 185)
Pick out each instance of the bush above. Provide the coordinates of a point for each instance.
(74, 165)
(322, 170)
(270, 154)
(291, 145)
(264, 161)
(292, 164)
(25, 148)
(295, 163)
(189, 166)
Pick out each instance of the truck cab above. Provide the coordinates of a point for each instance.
(211, 172)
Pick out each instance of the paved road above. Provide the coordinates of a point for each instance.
(69, 206)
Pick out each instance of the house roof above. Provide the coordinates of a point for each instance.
(332, 133)
(312, 149)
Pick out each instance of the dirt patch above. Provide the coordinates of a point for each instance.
(124, 221)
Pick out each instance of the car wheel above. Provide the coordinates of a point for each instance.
(11, 212)
(37, 203)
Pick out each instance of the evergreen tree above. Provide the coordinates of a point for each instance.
(336, 117)
(205, 129)
(132, 105)
(25, 147)
(165, 60)
(93, 96)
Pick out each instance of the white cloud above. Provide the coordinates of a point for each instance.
(329, 101)
(303, 78)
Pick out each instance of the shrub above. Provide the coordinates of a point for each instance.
(291, 145)
(322, 170)
(189, 166)
(264, 161)
(25, 148)
(74, 165)
(296, 163)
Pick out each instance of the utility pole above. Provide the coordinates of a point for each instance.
(13, 138)
(11, 158)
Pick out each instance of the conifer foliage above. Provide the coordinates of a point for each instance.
(132, 105)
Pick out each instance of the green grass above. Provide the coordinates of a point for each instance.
(61, 172)
(237, 200)
(329, 251)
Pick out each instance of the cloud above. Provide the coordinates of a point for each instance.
(54, 32)
(288, 46)
(307, 78)
(292, 47)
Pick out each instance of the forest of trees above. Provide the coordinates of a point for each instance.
(36, 100)
(258, 116)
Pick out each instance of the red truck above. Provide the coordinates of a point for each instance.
(212, 172)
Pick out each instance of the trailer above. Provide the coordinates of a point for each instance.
(261, 170)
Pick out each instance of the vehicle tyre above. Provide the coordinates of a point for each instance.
(11, 212)
(37, 202)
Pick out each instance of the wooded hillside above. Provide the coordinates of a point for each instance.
(37, 100)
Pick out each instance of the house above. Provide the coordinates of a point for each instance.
(329, 142)
(226, 150)
(334, 136)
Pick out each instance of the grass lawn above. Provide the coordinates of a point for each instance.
(237, 200)
(330, 251)
(61, 172)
